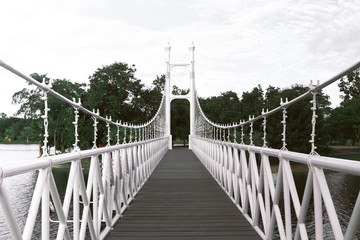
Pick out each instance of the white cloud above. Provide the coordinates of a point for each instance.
(240, 43)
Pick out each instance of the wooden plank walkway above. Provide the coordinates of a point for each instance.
(181, 200)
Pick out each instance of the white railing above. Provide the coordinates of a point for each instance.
(257, 194)
(247, 175)
(115, 175)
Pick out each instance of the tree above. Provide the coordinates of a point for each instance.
(159, 83)
(115, 90)
(29, 99)
(60, 116)
(272, 100)
(28, 133)
(4, 124)
(222, 109)
(10, 134)
(180, 116)
(151, 98)
(117, 93)
(227, 108)
(18, 130)
(350, 86)
(252, 102)
(298, 122)
(344, 121)
(180, 120)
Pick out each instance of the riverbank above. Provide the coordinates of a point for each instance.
(346, 152)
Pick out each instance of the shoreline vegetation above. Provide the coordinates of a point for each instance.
(118, 94)
(20, 142)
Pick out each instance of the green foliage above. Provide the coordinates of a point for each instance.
(113, 89)
(350, 86)
(28, 133)
(151, 98)
(159, 83)
(29, 99)
(252, 103)
(180, 116)
(298, 122)
(228, 108)
(18, 130)
(180, 120)
(60, 115)
(344, 121)
(222, 109)
(116, 92)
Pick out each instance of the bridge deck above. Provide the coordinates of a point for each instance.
(181, 200)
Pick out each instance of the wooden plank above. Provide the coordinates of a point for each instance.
(181, 200)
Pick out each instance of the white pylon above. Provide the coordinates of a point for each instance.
(190, 96)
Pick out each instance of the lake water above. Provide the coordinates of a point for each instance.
(19, 188)
(343, 187)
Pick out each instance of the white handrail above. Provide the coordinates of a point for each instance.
(115, 176)
(257, 194)
(112, 188)
(55, 160)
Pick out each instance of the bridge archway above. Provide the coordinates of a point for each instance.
(180, 121)
(190, 96)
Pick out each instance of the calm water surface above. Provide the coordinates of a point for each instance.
(19, 188)
(344, 189)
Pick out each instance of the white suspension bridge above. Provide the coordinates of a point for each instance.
(180, 200)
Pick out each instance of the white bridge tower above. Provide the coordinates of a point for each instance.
(190, 96)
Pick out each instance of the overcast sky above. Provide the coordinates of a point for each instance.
(239, 44)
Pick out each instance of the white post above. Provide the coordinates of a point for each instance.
(8, 212)
(192, 93)
(45, 215)
(167, 97)
(76, 203)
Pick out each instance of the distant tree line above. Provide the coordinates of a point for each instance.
(339, 126)
(344, 122)
(18, 130)
(116, 92)
(228, 107)
(113, 89)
